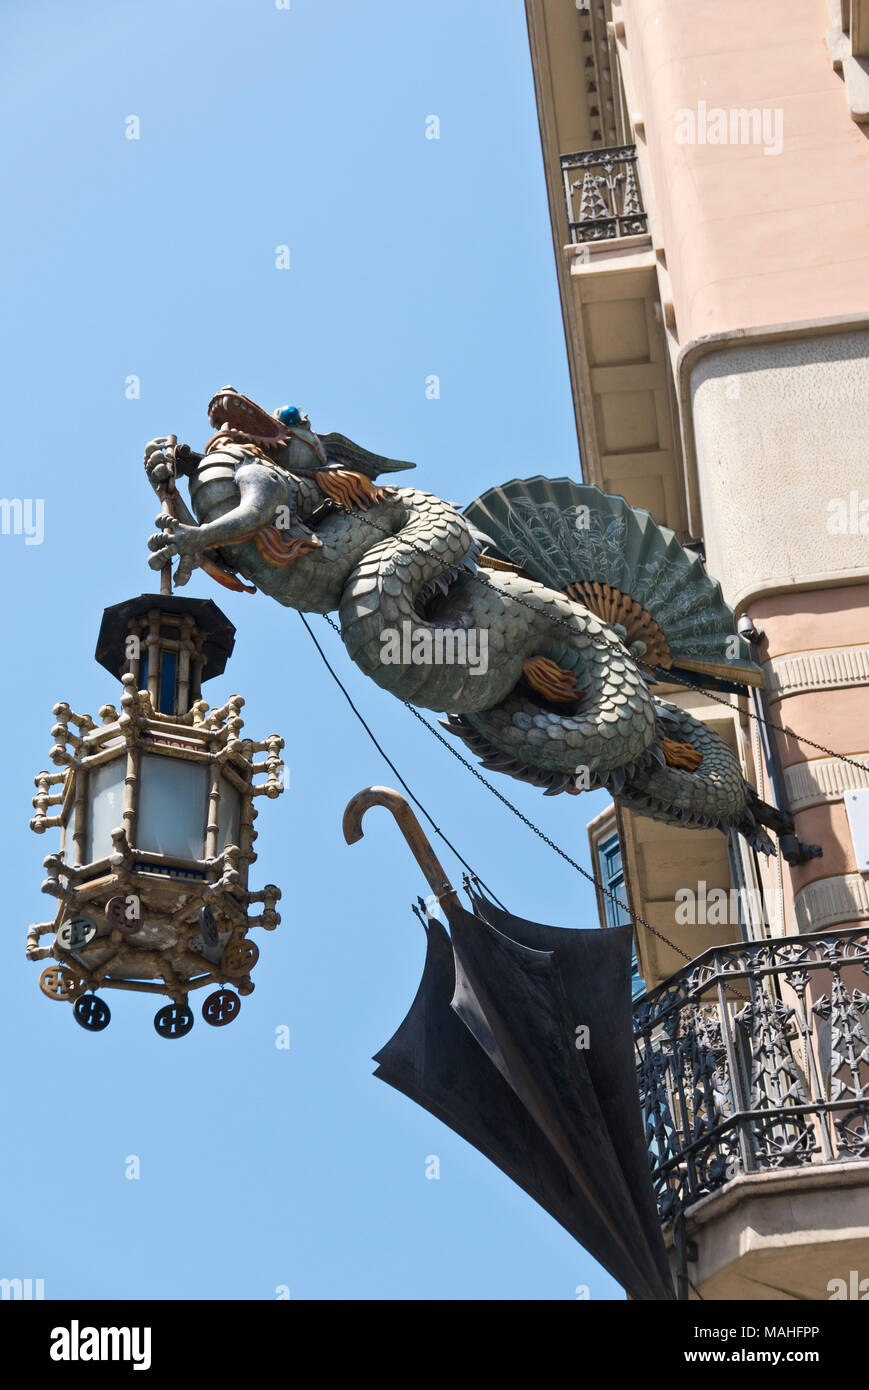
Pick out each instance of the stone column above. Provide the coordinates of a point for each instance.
(782, 444)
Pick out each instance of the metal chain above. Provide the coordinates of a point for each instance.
(635, 916)
(645, 665)
(601, 646)
(770, 723)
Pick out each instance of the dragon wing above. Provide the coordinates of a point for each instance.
(617, 561)
(345, 454)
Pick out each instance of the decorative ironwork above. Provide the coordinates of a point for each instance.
(92, 1013)
(755, 1057)
(76, 932)
(174, 1020)
(221, 1008)
(156, 812)
(602, 194)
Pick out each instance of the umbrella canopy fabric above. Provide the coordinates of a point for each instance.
(491, 1047)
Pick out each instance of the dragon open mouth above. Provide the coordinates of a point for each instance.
(231, 413)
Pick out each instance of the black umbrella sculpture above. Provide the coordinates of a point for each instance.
(520, 1038)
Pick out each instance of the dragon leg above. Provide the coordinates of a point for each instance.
(261, 491)
(711, 793)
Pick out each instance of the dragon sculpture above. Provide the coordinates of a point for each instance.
(582, 602)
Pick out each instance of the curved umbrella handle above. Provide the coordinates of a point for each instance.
(410, 829)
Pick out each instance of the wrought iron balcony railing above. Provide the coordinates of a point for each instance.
(602, 194)
(755, 1057)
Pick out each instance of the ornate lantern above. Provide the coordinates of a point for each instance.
(156, 814)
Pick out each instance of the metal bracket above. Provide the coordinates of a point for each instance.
(795, 852)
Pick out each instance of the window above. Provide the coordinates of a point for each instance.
(612, 874)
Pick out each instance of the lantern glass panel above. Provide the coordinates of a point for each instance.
(229, 816)
(173, 805)
(105, 807)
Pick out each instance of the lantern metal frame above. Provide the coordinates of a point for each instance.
(162, 950)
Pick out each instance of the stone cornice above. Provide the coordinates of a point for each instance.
(831, 901)
(829, 668)
(823, 780)
(742, 600)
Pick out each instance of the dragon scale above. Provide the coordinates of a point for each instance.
(301, 518)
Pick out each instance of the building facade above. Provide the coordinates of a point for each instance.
(707, 169)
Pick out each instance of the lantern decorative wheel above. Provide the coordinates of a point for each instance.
(92, 1013)
(174, 1020)
(123, 914)
(240, 957)
(221, 1007)
(60, 983)
(155, 808)
(76, 932)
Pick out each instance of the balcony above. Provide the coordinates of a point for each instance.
(602, 194)
(753, 1065)
(615, 324)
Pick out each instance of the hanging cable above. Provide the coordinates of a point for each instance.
(416, 801)
(558, 622)
(635, 916)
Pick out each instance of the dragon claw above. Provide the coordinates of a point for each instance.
(156, 467)
(186, 566)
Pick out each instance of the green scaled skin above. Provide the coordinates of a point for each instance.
(407, 563)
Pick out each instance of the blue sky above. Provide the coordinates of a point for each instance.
(156, 257)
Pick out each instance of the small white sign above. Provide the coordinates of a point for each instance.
(857, 804)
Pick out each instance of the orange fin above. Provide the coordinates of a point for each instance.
(350, 489)
(551, 680)
(229, 581)
(680, 755)
(277, 550)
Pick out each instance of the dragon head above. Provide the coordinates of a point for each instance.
(236, 417)
(287, 435)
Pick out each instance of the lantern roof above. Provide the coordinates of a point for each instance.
(218, 631)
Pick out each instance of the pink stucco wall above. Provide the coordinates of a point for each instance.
(752, 239)
(802, 621)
